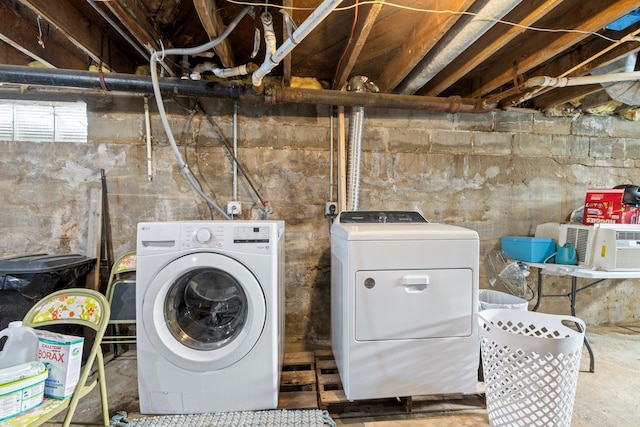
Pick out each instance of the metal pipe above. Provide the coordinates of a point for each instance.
(453, 104)
(209, 89)
(114, 82)
(234, 196)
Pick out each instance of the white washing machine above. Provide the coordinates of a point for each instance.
(403, 304)
(210, 318)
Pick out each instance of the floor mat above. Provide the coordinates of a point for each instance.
(281, 418)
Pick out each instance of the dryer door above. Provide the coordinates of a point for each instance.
(204, 311)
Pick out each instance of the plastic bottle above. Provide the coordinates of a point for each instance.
(20, 347)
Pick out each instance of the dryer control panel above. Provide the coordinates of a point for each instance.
(381, 217)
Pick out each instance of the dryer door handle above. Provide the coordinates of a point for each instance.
(415, 284)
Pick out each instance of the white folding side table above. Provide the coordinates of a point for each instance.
(576, 272)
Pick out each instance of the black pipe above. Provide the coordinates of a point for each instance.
(75, 79)
(236, 91)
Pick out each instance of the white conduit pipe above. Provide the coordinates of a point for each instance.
(240, 70)
(462, 35)
(331, 156)
(184, 168)
(147, 127)
(317, 16)
(546, 81)
(342, 161)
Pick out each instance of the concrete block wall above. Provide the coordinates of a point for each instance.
(500, 173)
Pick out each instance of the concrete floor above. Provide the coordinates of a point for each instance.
(606, 398)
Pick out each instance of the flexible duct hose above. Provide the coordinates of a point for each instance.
(355, 149)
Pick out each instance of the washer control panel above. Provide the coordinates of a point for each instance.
(258, 237)
(219, 236)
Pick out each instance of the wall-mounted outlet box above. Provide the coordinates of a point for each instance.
(234, 208)
(330, 209)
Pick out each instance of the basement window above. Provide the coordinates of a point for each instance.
(38, 121)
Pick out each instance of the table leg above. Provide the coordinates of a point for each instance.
(574, 291)
(539, 296)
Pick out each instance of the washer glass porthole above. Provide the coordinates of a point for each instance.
(206, 309)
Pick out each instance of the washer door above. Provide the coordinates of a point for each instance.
(204, 311)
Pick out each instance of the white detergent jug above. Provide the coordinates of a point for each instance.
(21, 345)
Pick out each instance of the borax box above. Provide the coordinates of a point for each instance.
(604, 206)
(62, 355)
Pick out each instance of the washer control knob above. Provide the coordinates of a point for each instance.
(203, 235)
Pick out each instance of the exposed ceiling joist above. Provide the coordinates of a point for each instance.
(286, 62)
(577, 62)
(81, 32)
(209, 16)
(564, 95)
(366, 17)
(590, 16)
(494, 40)
(431, 28)
(449, 48)
(136, 22)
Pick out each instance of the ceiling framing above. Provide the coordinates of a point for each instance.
(432, 48)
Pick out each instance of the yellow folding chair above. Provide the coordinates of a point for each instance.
(72, 306)
(121, 295)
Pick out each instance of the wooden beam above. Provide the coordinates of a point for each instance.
(80, 31)
(596, 99)
(94, 237)
(286, 62)
(495, 39)
(424, 36)
(136, 21)
(356, 43)
(213, 25)
(591, 16)
(578, 62)
(563, 95)
(21, 35)
(9, 55)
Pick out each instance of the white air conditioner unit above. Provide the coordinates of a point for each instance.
(616, 247)
(582, 237)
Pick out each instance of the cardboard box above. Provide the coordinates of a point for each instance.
(62, 355)
(21, 388)
(604, 206)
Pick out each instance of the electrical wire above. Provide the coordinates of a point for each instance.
(185, 145)
(441, 11)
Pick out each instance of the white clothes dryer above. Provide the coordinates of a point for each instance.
(210, 318)
(403, 305)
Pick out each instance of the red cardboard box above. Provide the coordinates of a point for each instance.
(605, 206)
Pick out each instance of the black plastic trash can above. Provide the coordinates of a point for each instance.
(25, 279)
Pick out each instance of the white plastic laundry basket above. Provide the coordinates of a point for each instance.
(530, 362)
